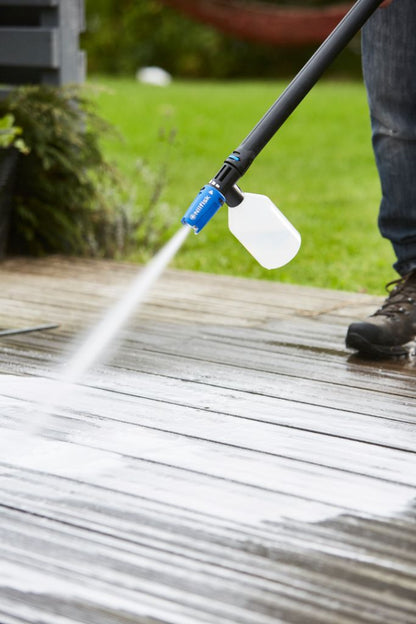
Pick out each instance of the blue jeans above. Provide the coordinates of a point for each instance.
(389, 65)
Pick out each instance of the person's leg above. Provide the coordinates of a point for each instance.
(389, 66)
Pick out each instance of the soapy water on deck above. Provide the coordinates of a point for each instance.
(97, 452)
(114, 454)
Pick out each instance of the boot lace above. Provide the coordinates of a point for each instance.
(402, 294)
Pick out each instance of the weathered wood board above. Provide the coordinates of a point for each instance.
(230, 461)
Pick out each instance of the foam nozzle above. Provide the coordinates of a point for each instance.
(208, 201)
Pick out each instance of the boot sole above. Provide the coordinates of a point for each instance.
(357, 342)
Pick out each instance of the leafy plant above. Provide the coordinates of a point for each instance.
(67, 197)
(10, 134)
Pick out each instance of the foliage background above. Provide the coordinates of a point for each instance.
(123, 35)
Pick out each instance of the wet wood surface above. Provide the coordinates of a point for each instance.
(230, 461)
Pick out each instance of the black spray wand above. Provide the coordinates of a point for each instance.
(262, 221)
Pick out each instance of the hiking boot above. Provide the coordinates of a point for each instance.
(390, 328)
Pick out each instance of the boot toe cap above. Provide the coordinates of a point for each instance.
(371, 339)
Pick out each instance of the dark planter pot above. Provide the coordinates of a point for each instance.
(8, 162)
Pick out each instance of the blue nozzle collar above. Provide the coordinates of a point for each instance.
(208, 201)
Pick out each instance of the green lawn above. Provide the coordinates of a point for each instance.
(318, 169)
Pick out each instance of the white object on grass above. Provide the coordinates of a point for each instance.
(154, 75)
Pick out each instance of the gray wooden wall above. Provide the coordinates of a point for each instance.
(39, 42)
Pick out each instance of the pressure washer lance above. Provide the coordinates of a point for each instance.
(253, 219)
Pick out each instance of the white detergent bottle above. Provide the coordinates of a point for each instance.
(264, 231)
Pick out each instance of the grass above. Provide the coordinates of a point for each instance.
(319, 169)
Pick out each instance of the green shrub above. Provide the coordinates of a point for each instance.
(10, 134)
(67, 198)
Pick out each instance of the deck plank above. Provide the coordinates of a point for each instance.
(230, 462)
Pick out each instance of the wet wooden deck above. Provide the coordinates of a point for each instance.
(231, 463)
